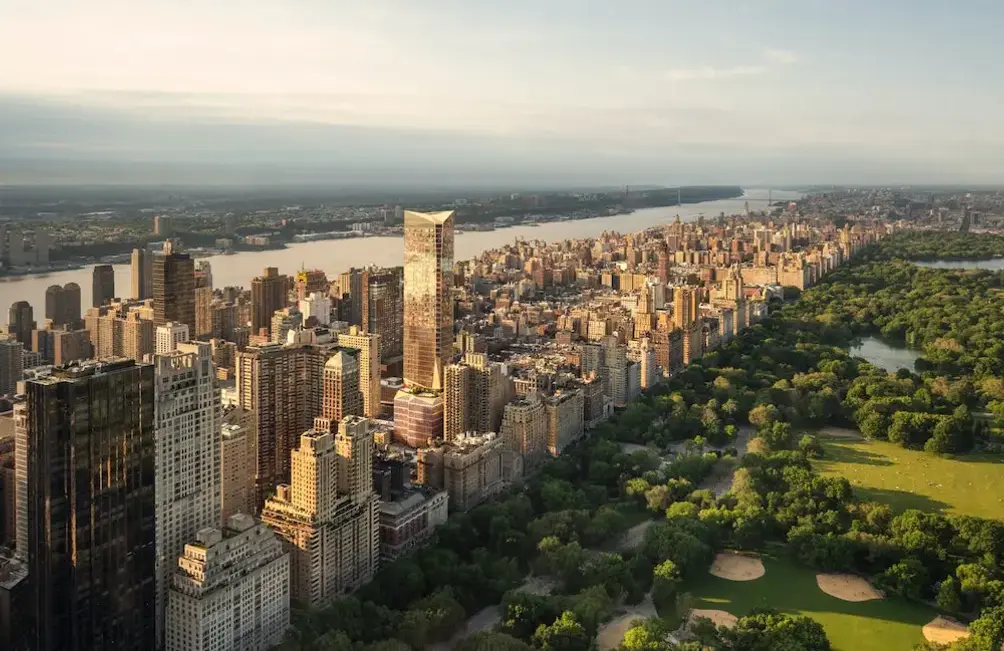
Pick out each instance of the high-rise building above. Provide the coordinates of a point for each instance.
(102, 285)
(384, 314)
(332, 535)
(369, 346)
(284, 320)
(237, 463)
(162, 226)
(62, 346)
(474, 396)
(117, 331)
(142, 274)
(169, 335)
(355, 285)
(203, 313)
(188, 447)
(428, 303)
(174, 288)
(565, 413)
(282, 387)
(317, 306)
(309, 281)
(230, 590)
(342, 396)
(21, 321)
(268, 294)
(90, 544)
(11, 366)
(685, 307)
(62, 304)
(524, 429)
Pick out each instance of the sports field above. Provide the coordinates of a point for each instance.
(877, 625)
(913, 479)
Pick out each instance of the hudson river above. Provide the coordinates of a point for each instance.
(336, 256)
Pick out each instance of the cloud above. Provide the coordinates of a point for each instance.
(710, 72)
(770, 59)
(780, 57)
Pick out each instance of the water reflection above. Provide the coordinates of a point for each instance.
(885, 354)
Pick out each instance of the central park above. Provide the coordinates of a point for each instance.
(779, 493)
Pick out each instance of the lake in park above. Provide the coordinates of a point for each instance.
(885, 355)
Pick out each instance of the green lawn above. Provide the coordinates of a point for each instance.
(912, 479)
(881, 625)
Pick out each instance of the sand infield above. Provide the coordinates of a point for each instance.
(717, 617)
(847, 587)
(944, 630)
(737, 567)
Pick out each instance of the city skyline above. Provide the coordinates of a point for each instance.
(771, 91)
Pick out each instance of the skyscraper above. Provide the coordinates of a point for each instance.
(174, 288)
(268, 294)
(282, 387)
(169, 335)
(90, 544)
(188, 445)
(342, 396)
(21, 321)
(142, 274)
(428, 304)
(384, 315)
(328, 514)
(11, 366)
(474, 396)
(355, 283)
(369, 346)
(62, 304)
(102, 285)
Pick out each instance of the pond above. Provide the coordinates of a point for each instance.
(993, 264)
(884, 354)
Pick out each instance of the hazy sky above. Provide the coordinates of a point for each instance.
(661, 91)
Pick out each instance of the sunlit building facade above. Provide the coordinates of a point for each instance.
(428, 305)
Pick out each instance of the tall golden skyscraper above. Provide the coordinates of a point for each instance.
(428, 305)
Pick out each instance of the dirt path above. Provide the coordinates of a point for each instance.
(612, 633)
(634, 537)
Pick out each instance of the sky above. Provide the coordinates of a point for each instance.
(591, 91)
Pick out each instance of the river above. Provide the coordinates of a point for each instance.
(336, 256)
(881, 353)
(992, 264)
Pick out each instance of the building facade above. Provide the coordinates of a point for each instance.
(268, 294)
(94, 586)
(188, 446)
(428, 303)
(229, 590)
(102, 285)
(174, 288)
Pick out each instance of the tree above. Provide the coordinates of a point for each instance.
(909, 578)
(988, 629)
(809, 446)
(565, 634)
(949, 597)
(488, 641)
(648, 635)
(665, 583)
(764, 416)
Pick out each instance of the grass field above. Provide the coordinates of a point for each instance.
(882, 625)
(912, 479)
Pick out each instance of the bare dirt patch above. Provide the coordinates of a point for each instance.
(717, 617)
(737, 567)
(944, 630)
(634, 537)
(541, 586)
(840, 433)
(612, 633)
(847, 587)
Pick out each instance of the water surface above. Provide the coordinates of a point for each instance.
(885, 354)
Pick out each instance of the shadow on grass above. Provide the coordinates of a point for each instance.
(901, 500)
(878, 625)
(849, 451)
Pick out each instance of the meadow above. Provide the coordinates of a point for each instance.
(971, 484)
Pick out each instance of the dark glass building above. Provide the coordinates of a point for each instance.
(174, 289)
(90, 507)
